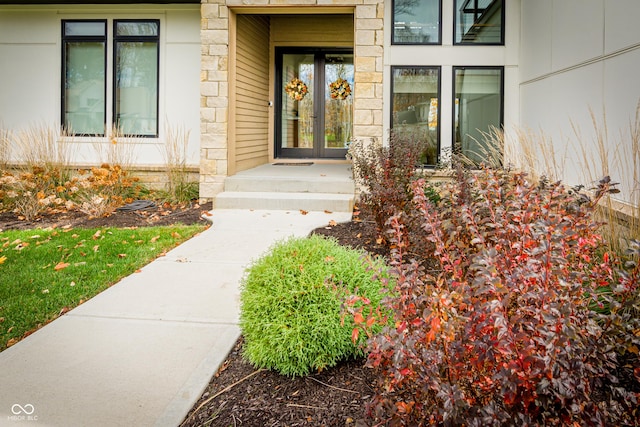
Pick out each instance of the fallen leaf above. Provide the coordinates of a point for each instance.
(332, 223)
(97, 235)
(61, 265)
(74, 236)
(72, 284)
(11, 342)
(2, 259)
(175, 235)
(95, 248)
(63, 311)
(154, 239)
(207, 213)
(35, 236)
(45, 291)
(327, 212)
(122, 255)
(303, 212)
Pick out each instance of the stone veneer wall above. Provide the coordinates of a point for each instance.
(214, 78)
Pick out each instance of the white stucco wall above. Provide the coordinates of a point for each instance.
(30, 73)
(578, 58)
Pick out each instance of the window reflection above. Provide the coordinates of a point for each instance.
(479, 22)
(84, 66)
(478, 109)
(416, 22)
(136, 85)
(415, 101)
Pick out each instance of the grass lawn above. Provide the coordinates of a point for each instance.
(44, 273)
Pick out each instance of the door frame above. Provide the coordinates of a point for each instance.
(318, 150)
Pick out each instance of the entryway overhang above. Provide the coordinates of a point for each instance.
(238, 75)
(255, 33)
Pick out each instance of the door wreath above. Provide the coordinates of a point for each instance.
(296, 89)
(340, 89)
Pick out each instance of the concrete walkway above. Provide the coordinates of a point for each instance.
(142, 352)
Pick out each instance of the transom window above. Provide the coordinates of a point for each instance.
(479, 22)
(416, 22)
(134, 82)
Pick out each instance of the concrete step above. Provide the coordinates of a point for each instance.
(290, 184)
(276, 200)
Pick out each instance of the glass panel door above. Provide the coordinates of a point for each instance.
(315, 103)
(338, 98)
(297, 106)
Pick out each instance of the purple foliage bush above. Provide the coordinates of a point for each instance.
(523, 322)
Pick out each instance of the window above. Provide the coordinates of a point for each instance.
(135, 97)
(416, 21)
(479, 22)
(478, 107)
(134, 86)
(83, 70)
(415, 96)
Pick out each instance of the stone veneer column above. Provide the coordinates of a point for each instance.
(368, 51)
(214, 96)
(214, 87)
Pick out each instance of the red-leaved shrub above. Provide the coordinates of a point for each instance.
(504, 331)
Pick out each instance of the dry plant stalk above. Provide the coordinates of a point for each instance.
(118, 150)
(41, 146)
(175, 158)
(619, 159)
(5, 146)
(491, 150)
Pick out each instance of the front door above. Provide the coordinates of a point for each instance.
(314, 105)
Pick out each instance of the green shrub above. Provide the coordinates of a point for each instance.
(291, 304)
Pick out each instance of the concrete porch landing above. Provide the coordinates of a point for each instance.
(316, 187)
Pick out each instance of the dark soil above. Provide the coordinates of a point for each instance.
(240, 395)
(159, 215)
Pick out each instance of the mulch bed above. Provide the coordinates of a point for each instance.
(160, 215)
(241, 395)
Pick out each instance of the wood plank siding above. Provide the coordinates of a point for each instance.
(252, 92)
(312, 30)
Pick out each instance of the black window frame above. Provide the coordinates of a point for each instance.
(136, 38)
(81, 38)
(439, 98)
(454, 144)
(472, 43)
(399, 43)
